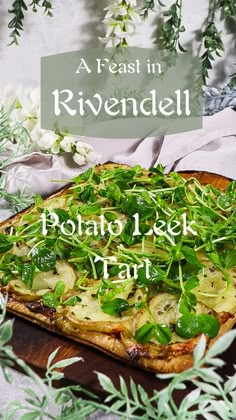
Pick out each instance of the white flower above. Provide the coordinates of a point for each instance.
(83, 148)
(56, 147)
(121, 20)
(67, 143)
(8, 97)
(93, 157)
(85, 153)
(43, 138)
(80, 160)
(18, 115)
(116, 10)
(29, 101)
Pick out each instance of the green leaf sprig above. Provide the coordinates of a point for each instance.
(173, 28)
(18, 10)
(149, 5)
(213, 46)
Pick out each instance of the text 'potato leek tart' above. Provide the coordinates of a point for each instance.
(132, 262)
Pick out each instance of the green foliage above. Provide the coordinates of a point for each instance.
(213, 46)
(172, 28)
(211, 37)
(14, 141)
(18, 10)
(228, 8)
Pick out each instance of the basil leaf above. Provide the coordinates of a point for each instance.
(187, 326)
(72, 301)
(228, 258)
(27, 273)
(59, 288)
(144, 333)
(115, 306)
(209, 325)
(5, 245)
(162, 333)
(191, 256)
(44, 259)
(50, 300)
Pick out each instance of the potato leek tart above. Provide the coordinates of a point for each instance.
(133, 262)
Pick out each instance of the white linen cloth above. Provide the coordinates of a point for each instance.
(212, 149)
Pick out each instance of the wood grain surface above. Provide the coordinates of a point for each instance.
(34, 344)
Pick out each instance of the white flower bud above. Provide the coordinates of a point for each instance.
(80, 160)
(67, 143)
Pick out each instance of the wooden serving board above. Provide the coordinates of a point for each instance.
(34, 344)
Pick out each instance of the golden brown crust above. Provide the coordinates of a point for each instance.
(117, 343)
(175, 357)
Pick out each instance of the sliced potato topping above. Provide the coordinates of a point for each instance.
(48, 280)
(89, 309)
(164, 309)
(213, 290)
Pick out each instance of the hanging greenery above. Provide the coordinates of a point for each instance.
(211, 44)
(18, 10)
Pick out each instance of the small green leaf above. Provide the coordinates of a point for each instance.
(154, 276)
(191, 256)
(209, 325)
(162, 333)
(27, 273)
(111, 217)
(44, 259)
(62, 214)
(6, 278)
(5, 245)
(191, 283)
(66, 362)
(59, 288)
(6, 331)
(50, 300)
(114, 192)
(215, 258)
(228, 258)
(72, 301)
(187, 326)
(115, 306)
(144, 333)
